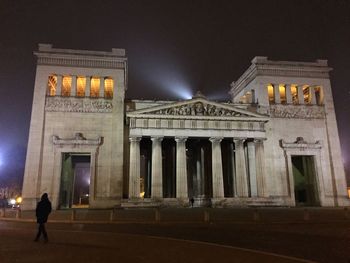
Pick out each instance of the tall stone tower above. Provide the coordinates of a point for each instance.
(302, 132)
(75, 147)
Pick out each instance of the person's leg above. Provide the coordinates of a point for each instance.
(39, 233)
(44, 233)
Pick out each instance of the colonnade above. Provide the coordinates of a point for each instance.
(299, 94)
(248, 168)
(69, 84)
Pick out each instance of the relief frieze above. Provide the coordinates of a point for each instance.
(297, 111)
(198, 109)
(72, 104)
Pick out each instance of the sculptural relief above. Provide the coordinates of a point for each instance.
(69, 104)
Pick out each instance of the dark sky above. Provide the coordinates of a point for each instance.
(172, 47)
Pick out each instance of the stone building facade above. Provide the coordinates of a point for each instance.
(275, 144)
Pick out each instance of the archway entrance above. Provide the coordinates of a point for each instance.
(305, 184)
(75, 180)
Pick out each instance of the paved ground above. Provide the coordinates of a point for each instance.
(126, 242)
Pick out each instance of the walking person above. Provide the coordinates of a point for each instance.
(43, 209)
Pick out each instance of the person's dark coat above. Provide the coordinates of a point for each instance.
(43, 209)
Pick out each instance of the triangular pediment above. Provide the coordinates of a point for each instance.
(197, 107)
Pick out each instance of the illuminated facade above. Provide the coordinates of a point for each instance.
(275, 144)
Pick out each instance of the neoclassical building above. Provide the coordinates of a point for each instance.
(275, 144)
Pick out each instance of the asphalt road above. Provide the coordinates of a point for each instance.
(72, 242)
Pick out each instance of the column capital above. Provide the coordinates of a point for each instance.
(215, 139)
(239, 140)
(180, 139)
(157, 138)
(134, 139)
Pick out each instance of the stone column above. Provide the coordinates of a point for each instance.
(218, 180)
(73, 91)
(300, 94)
(252, 168)
(241, 171)
(276, 88)
(289, 98)
(59, 85)
(181, 168)
(260, 167)
(134, 171)
(102, 87)
(312, 95)
(88, 86)
(157, 168)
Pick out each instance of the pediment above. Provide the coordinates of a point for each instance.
(198, 107)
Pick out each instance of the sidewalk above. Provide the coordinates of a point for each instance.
(68, 245)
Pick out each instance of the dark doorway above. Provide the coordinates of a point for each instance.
(75, 180)
(199, 169)
(169, 167)
(305, 184)
(145, 167)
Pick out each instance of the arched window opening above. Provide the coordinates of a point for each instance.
(109, 86)
(95, 87)
(81, 85)
(66, 86)
(52, 85)
(271, 94)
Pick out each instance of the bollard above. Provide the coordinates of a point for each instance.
(18, 213)
(2, 212)
(306, 215)
(256, 215)
(206, 216)
(73, 215)
(157, 214)
(111, 215)
(346, 213)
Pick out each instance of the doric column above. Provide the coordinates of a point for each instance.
(134, 171)
(217, 182)
(300, 94)
(252, 168)
(88, 86)
(157, 176)
(181, 168)
(59, 85)
(102, 87)
(312, 95)
(289, 98)
(73, 91)
(276, 88)
(241, 171)
(260, 167)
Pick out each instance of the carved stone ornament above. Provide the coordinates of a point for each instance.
(297, 111)
(78, 139)
(198, 109)
(72, 104)
(300, 143)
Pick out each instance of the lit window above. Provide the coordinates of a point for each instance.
(306, 92)
(319, 95)
(66, 85)
(81, 85)
(95, 87)
(282, 90)
(271, 94)
(294, 93)
(51, 85)
(109, 83)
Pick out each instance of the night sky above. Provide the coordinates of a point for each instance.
(174, 49)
